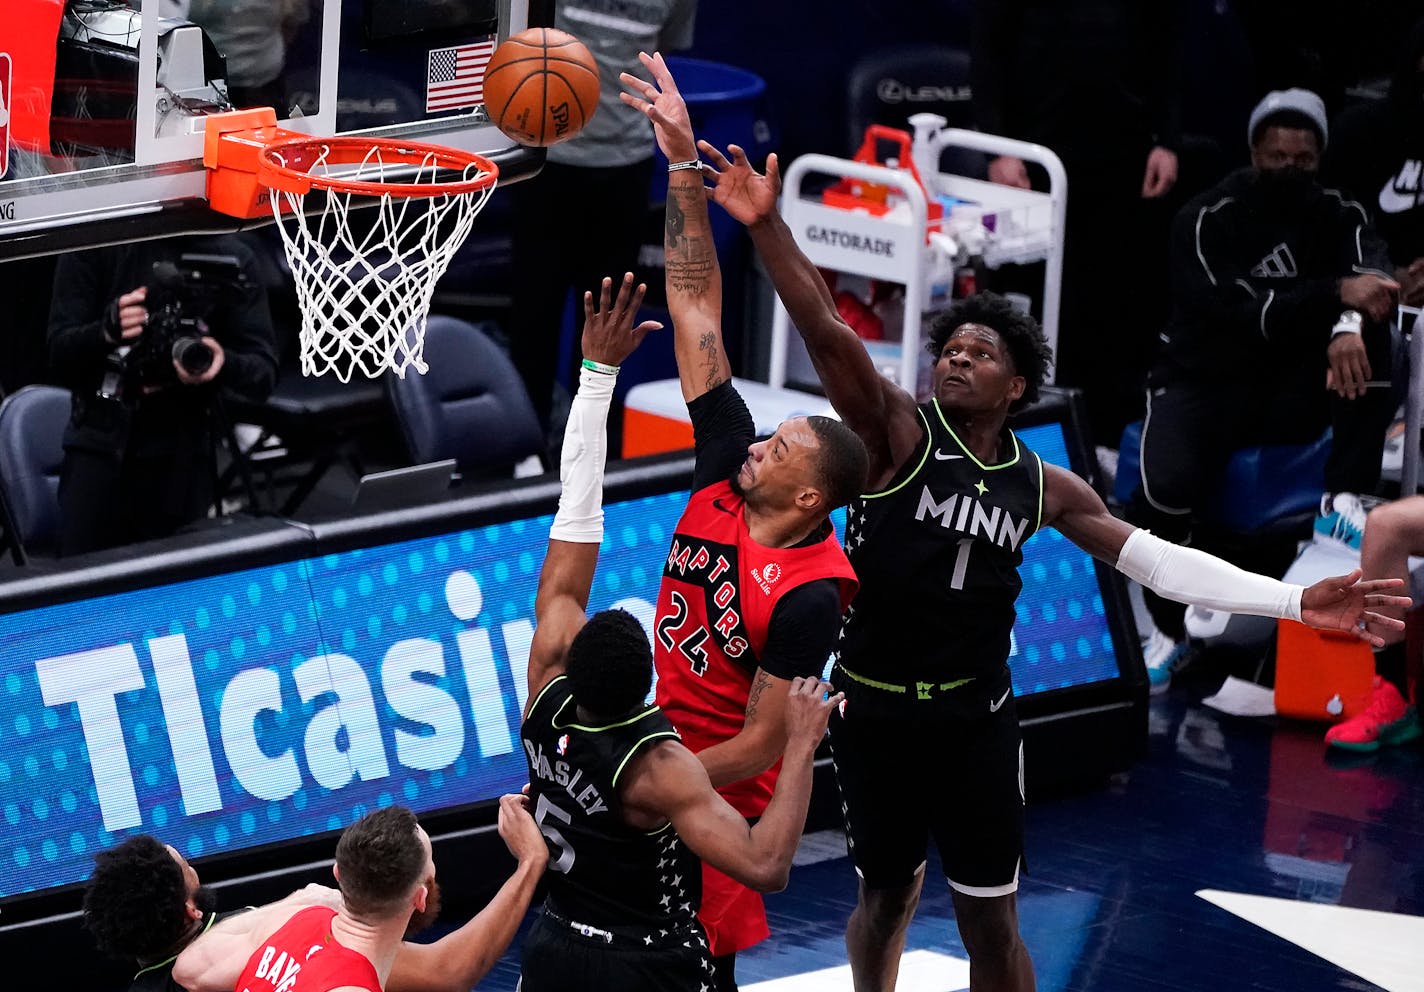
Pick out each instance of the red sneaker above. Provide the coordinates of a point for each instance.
(1387, 720)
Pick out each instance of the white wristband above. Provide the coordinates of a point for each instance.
(1350, 322)
(1191, 576)
(692, 163)
(579, 519)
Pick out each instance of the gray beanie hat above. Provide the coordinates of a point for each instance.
(1298, 100)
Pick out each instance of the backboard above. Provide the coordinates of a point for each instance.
(103, 102)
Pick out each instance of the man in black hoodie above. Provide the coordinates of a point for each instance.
(1282, 294)
(1378, 158)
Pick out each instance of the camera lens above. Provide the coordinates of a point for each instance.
(193, 354)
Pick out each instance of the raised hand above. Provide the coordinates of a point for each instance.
(519, 831)
(663, 105)
(738, 188)
(809, 703)
(1343, 602)
(608, 332)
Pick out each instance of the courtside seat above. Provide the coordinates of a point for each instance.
(886, 85)
(1264, 488)
(308, 423)
(471, 406)
(32, 423)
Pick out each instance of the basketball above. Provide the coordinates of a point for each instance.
(541, 86)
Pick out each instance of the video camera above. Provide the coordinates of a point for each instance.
(180, 299)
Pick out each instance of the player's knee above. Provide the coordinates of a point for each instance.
(1399, 523)
(990, 933)
(888, 911)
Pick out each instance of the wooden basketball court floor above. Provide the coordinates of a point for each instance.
(1237, 855)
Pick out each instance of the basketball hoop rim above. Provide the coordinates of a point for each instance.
(353, 150)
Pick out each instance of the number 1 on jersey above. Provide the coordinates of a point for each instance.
(961, 563)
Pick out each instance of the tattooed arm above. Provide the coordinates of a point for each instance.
(694, 279)
(801, 635)
(758, 745)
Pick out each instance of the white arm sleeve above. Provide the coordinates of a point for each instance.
(1191, 576)
(579, 519)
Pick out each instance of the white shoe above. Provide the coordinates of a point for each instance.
(1163, 657)
(1342, 519)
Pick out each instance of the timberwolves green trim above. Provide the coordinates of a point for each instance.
(922, 689)
(596, 730)
(969, 454)
(670, 735)
(212, 918)
(547, 686)
(929, 443)
(1039, 526)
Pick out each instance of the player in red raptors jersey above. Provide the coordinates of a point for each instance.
(387, 879)
(626, 808)
(755, 581)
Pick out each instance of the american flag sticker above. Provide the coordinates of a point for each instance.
(456, 76)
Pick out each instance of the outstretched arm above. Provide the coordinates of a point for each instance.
(214, 961)
(879, 411)
(608, 337)
(461, 959)
(1344, 602)
(669, 782)
(694, 277)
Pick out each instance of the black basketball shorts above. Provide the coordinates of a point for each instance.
(948, 767)
(557, 958)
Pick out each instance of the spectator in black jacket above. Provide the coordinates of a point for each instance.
(1098, 82)
(1378, 157)
(1282, 295)
(138, 452)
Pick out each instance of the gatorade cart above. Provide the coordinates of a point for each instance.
(896, 220)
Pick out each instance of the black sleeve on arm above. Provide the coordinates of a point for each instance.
(722, 427)
(248, 338)
(803, 630)
(82, 291)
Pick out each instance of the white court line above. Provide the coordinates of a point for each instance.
(1380, 947)
(920, 971)
(818, 846)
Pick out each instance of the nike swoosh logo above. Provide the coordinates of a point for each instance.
(718, 504)
(940, 456)
(994, 707)
(1392, 201)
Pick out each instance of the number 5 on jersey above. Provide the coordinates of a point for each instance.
(543, 812)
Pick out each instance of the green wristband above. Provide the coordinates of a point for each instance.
(593, 366)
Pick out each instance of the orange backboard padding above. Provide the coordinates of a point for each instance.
(30, 38)
(1321, 675)
(649, 434)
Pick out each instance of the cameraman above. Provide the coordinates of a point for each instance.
(138, 452)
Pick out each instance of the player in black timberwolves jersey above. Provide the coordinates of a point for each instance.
(626, 809)
(936, 545)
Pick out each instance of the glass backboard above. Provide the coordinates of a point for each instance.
(103, 102)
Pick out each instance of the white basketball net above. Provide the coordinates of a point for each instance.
(365, 274)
